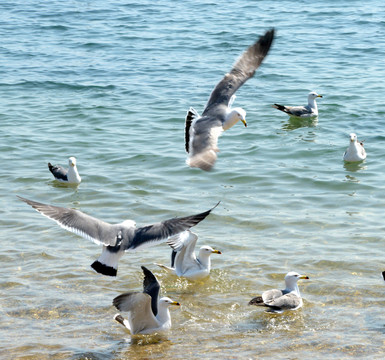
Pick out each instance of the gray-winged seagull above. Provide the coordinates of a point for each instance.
(115, 238)
(70, 175)
(310, 110)
(146, 313)
(355, 152)
(184, 262)
(202, 132)
(281, 300)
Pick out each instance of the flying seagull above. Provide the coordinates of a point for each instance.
(115, 238)
(146, 313)
(310, 110)
(281, 300)
(202, 132)
(184, 262)
(355, 152)
(70, 175)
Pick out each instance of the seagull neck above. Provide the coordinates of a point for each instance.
(293, 289)
(313, 105)
(73, 175)
(163, 315)
(205, 260)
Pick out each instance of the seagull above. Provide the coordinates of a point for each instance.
(355, 152)
(281, 300)
(202, 132)
(70, 175)
(184, 262)
(310, 110)
(115, 238)
(146, 313)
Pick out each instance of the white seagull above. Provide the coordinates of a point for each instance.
(70, 175)
(115, 238)
(281, 300)
(310, 110)
(184, 262)
(355, 152)
(202, 132)
(146, 313)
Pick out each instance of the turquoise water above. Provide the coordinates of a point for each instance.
(110, 83)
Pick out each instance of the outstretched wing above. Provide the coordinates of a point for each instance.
(160, 232)
(243, 69)
(79, 223)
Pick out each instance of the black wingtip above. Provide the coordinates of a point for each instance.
(383, 274)
(256, 301)
(104, 269)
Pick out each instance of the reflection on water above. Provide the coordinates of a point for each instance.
(355, 166)
(295, 123)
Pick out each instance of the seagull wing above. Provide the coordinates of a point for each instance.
(79, 223)
(185, 258)
(138, 306)
(151, 287)
(159, 232)
(243, 69)
(58, 172)
(284, 302)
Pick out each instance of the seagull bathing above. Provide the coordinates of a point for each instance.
(202, 132)
(310, 110)
(70, 175)
(146, 313)
(184, 262)
(115, 238)
(281, 300)
(355, 152)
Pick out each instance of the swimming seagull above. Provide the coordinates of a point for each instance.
(115, 238)
(202, 132)
(355, 152)
(281, 300)
(70, 175)
(310, 110)
(146, 313)
(184, 262)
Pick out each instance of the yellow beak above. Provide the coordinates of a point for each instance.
(304, 277)
(244, 122)
(216, 252)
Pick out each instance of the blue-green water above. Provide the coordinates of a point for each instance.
(110, 83)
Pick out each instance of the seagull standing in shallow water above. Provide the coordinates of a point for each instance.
(355, 152)
(202, 132)
(281, 300)
(146, 313)
(70, 175)
(115, 238)
(310, 110)
(184, 262)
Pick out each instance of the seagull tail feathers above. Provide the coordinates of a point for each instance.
(258, 301)
(280, 107)
(107, 263)
(204, 160)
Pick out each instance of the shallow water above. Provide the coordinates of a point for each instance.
(110, 83)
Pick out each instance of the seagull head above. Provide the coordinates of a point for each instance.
(207, 251)
(166, 301)
(72, 161)
(353, 137)
(291, 279)
(313, 95)
(233, 116)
